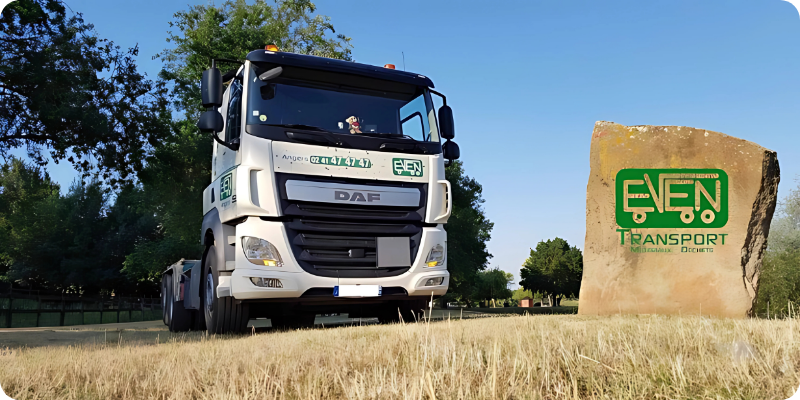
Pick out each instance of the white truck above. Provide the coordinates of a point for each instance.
(328, 195)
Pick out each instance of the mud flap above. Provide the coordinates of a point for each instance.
(192, 298)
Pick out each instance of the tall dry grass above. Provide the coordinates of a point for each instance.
(522, 357)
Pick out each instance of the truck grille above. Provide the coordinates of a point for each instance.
(339, 240)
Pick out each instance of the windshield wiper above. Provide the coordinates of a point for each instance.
(379, 134)
(312, 134)
(299, 126)
(396, 146)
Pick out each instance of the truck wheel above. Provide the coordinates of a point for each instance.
(198, 320)
(222, 315)
(409, 310)
(164, 297)
(289, 322)
(181, 318)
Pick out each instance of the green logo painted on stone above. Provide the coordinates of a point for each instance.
(407, 167)
(225, 187)
(672, 198)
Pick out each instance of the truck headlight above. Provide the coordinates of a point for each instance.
(434, 281)
(261, 252)
(436, 256)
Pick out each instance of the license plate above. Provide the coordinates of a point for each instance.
(357, 291)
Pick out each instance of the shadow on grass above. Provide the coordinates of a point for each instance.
(120, 335)
(525, 310)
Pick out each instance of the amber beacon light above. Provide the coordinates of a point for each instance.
(271, 47)
(390, 66)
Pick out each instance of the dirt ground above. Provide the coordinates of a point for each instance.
(156, 331)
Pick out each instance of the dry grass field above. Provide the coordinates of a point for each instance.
(504, 357)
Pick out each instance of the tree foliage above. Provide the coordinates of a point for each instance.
(779, 282)
(553, 268)
(74, 242)
(29, 218)
(230, 30)
(468, 230)
(65, 91)
(175, 200)
(234, 29)
(522, 293)
(493, 284)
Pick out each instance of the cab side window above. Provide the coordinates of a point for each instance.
(413, 122)
(233, 123)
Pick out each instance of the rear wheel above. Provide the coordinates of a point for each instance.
(164, 299)
(180, 318)
(222, 315)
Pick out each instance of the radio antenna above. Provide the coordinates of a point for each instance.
(404, 60)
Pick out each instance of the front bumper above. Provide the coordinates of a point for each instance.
(296, 281)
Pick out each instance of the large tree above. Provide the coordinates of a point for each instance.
(468, 230)
(553, 268)
(234, 29)
(175, 201)
(69, 95)
(493, 284)
(230, 30)
(29, 223)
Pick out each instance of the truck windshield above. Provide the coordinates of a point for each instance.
(340, 111)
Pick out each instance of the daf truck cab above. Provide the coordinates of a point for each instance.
(328, 195)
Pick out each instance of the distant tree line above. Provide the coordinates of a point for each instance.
(779, 283)
(554, 269)
(70, 96)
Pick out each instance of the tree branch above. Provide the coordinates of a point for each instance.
(41, 138)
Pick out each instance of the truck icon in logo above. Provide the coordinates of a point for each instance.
(672, 198)
(407, 167)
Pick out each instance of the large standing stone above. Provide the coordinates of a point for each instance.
(677, 221)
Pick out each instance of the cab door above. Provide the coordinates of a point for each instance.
(233, 126)
(218, 149)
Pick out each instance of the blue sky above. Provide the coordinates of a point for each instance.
(528, 79)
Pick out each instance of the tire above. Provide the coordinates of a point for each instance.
(167, 299)
(291, 322)
(181, 318)
(408, 310)
(198, 319)
(164, 297)
(222, 315)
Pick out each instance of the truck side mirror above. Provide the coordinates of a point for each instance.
(211, 88)
(451, 150)
(210, 121)
(446, 125)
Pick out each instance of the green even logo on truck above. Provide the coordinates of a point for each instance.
(225, 187)
(672, 198)
(407, 167)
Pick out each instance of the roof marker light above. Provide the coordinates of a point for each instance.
(390, 66)
(271, 47)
